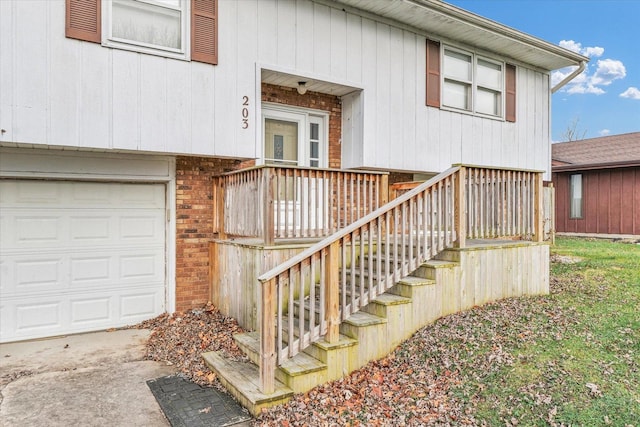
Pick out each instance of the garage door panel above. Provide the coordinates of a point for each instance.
(139, 306)
(60, 314)
(91, 230)
(140, 228)
(40, 274)
(76, 257)
(59, 229)
(91, 310)
(38, 229)
(87, 270)
(35, 318)
(27, 275)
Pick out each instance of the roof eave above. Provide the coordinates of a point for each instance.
(547, 55)
(486, 24)
(595, 166)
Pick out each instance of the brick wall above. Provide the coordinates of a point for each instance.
(194, 226)
(318, 101)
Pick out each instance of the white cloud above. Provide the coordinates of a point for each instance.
(604, 132)
(590, 51)
(584, 88)
(631, 93)
(608, 71)
(590, 81)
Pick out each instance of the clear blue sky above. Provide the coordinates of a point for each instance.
(605, 100)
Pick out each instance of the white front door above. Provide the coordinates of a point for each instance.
(296, 137)
(79, 256)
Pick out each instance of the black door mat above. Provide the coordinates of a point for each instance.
(186, 404)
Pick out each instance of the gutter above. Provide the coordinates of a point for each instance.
(595, 166)
(580, 69)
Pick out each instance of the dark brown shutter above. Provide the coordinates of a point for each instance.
(204, 31)
(510, 100)
(433, 74)
(83, 20)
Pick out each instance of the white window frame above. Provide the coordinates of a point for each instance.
(183, 53)
(576, 196)
(473, 83)
(304, 117)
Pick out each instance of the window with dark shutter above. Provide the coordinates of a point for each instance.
(433, 73)
(204, 31)
(510, 100)
(83, 20)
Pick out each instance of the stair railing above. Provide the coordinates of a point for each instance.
(307, 297)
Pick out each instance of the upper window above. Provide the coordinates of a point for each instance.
(472, 83)
(181, 29)
(149, 24)
(465, 81)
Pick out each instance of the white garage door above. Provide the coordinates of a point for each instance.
(79, 256)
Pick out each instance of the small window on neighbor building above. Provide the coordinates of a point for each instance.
(576, 196)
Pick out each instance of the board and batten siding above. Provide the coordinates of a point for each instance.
(64, 92)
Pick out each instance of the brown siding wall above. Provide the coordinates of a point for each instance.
(611, 202)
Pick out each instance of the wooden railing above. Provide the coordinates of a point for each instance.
(503, 203)
(291, 202)
(307, 297)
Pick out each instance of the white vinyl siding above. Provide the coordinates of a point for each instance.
(111, 99)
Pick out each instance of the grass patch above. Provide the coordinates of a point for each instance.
(586, 369)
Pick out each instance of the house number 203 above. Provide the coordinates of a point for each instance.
(245, 112)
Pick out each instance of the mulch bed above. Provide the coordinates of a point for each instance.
(180, 339)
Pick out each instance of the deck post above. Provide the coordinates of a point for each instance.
(460, 209)
(538, 209)
(332, 292)
(384, 190)
(214, 282)
(218, 207)
(267, 337)
(268, 219)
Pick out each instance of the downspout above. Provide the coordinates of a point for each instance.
(581, 67)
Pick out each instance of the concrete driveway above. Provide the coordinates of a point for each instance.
(96, 379)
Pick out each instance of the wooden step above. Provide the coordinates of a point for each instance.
(361, 319)
(300, 373)
(249, 343)
(242, 380)
(428, 269)
(406, 287)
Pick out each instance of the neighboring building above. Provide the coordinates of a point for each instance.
(113, 126)
(597, 183)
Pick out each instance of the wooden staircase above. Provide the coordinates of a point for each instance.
(369, 334)
(358, 293)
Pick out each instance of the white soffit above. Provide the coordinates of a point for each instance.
(279, 78)
(440, 19)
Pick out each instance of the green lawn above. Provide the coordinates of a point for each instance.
(585, 368)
